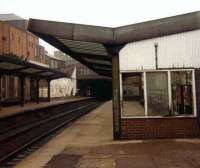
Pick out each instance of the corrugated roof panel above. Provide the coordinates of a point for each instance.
(98, 61)
(84, 47)
(102, 68)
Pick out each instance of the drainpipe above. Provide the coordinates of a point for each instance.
(156, 54)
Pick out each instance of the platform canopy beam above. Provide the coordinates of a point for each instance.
(86, 41)
(12, 65)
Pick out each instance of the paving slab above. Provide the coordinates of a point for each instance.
(63, 161)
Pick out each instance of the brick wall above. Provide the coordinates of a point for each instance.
(150, 128)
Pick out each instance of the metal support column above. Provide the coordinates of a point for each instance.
(37, 90)
(49, 90)
(116, 97)
(113, 52)
(22, 79)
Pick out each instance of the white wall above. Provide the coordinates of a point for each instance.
(64, 86)
(61, 87)
(178, 50)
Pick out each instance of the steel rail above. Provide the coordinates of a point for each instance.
(75, 113)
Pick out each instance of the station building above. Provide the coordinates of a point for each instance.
(159, 84)
(24, 69)
(154, 67)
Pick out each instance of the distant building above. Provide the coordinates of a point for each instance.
(40, 57)
(82, 70)
(62, 56)
(16, 41)
(56, 63)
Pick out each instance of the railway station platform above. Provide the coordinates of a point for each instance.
(88, 143)
(12, 110)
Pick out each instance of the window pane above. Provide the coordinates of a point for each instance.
(157, 93)
(133, 97)
(182, 102)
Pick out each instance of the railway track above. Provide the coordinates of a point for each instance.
(12, 142)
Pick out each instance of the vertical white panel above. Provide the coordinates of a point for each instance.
(169, 90)
(194, 93)
(174, 51)
(121, 93)
(145, 93)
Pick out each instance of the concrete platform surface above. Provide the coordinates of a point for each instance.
(12, 110)
(88, 143)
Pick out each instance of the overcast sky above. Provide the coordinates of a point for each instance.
(110, 13)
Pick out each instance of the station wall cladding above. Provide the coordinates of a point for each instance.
(99, 88)
(17, 42)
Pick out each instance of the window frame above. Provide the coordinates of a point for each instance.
(144, 72)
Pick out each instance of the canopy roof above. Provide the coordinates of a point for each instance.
(11, 65)
(89, 44)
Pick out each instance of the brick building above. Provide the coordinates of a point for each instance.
(17, 42)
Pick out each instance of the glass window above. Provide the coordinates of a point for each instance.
(157, 93)
(132, 94)
(182, 99)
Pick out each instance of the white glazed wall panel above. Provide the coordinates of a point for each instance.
(133, 56)
(175, 51)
